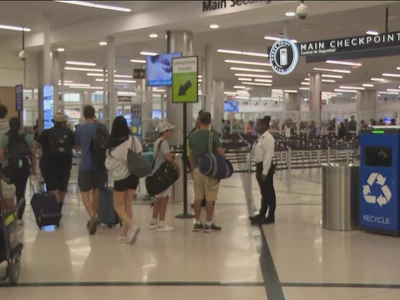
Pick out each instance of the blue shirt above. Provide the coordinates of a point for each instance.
(83, 138)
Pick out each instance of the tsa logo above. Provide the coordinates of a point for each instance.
(382, 193)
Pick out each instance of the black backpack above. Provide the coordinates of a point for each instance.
(59, 142)
(98, 147)
(19, 157)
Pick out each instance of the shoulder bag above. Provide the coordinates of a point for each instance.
(137, 164)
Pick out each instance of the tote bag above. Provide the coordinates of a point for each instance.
(137, 164)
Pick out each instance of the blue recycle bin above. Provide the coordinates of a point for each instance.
(379, 178)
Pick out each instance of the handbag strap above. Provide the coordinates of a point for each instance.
(155, 156)
(133, 144)
(210, 141)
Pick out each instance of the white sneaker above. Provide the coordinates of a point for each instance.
(122, 240)
(133, 234)
(165, 228)
(153, 226)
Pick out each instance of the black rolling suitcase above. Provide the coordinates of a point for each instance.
(46, 209)
(106, 214)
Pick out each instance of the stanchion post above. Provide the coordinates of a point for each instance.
(289, 170)
(249, 179)
(328, 155)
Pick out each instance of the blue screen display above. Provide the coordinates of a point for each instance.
(48, 106)
(159, 69)
(387, 120)
(231, 106)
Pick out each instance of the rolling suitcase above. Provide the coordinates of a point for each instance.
(45, 208)
(106, 214)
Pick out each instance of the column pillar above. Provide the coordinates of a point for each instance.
(366, 105)
(315, 99)
(207, 80)
(218, 104)
(112, 93)
(55, 78)
(145, 98)
(179, 41)
(292, 106)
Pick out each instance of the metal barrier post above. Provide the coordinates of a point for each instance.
(328, 155)
(249, 168)
(288, 171)
(177, 189)
(310, 163)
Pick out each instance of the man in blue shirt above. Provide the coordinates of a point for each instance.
(90, 178)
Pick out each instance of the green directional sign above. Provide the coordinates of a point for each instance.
(185, 79)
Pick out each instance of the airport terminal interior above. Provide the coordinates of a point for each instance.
(326, 72)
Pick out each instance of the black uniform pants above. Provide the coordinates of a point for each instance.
(268, 198)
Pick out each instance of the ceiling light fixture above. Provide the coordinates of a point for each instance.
(77, 84)
(252, 75)
(15, 28)
(60, 49)
(351, 87)
(345, 63)
(328, 80)
(333, 70)
(241, 62)
(305, 83)
(393, 90)
(257, 83)
(372, 32)
(273, 38)
(262, 80)
(331, 76)
(290, 14)
(242, 53)
(93, 5)
(80, 63)
(145, 53)
(303, 88)
(345, 91)
(307, 79)
(87, 87)
(117, 80)
(290, 91)
(214, 26)
(153, 35)
(388, 93)
(378, 79)
(101, 75)
(390, 75)
(250, 70)
(244, 79)
(367, 85)
(102, 43)
(83, 69)
(138, 61)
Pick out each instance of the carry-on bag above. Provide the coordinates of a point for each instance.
(45, 208)
(106, 213)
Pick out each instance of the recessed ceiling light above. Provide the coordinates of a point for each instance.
(243, 53)
(372, 32)
(304, 88)
(101, 75)
(77, 84)
(351, 87)
(262, 80)
(244, 79)
(390, 75)
(117, 80)
(257, 83)
(249, 70)
(378, 79)
(290, 14)
(367, 85)
(345, 63)
(333, 70)
(328, 80)
(345, 91)
(80, 63)
(138, 61)
(82, 69)
(290, 91)
(388, 93)
(145, 53)
(274, 38)
(230, 61)
(307, 79)
(60, 49)
(153, 35)
(214, 26)
(305, 83)
(393, 90)
(16, 28)
(102, 6)
(253, 75)
(87, 87)
(103, 43)
(331, 76)
(239, 87)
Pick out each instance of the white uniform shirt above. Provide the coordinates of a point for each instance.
(263, 151)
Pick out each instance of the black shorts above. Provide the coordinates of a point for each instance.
(91, 180)
(57, 180)
(129, 183)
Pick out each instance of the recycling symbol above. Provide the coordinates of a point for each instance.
(385, 195)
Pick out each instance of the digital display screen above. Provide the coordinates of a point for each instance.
(378, 156)
(159, 69)
(231, 106)
(48, 104)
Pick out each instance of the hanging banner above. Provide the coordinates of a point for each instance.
(19, 98)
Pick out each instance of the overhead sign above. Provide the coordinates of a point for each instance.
(48, 106)
(357, 43)
(136, 120)
(19, 98)
(223, 4)
(139, 74)
(185, 80)
(284, 56)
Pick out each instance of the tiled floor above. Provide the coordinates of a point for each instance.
(225, 265)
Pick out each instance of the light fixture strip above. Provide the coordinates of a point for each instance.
(82, 69)
(333, 70)
(345, 63)
(15, 28)
(94, 5)
(249, 70)
(80, 63)
(252, 75)
(241, 62)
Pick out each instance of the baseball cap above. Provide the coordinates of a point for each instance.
(59, 118)
(164, 126)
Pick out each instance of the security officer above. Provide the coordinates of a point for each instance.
(263, 152)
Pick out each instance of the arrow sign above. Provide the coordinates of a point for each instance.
(185, 83)
(366, 190)
(380, 180)
(184, 88)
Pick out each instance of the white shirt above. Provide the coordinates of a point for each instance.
(117, 162)
(263, 151)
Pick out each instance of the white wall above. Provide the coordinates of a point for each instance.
(11, 69)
